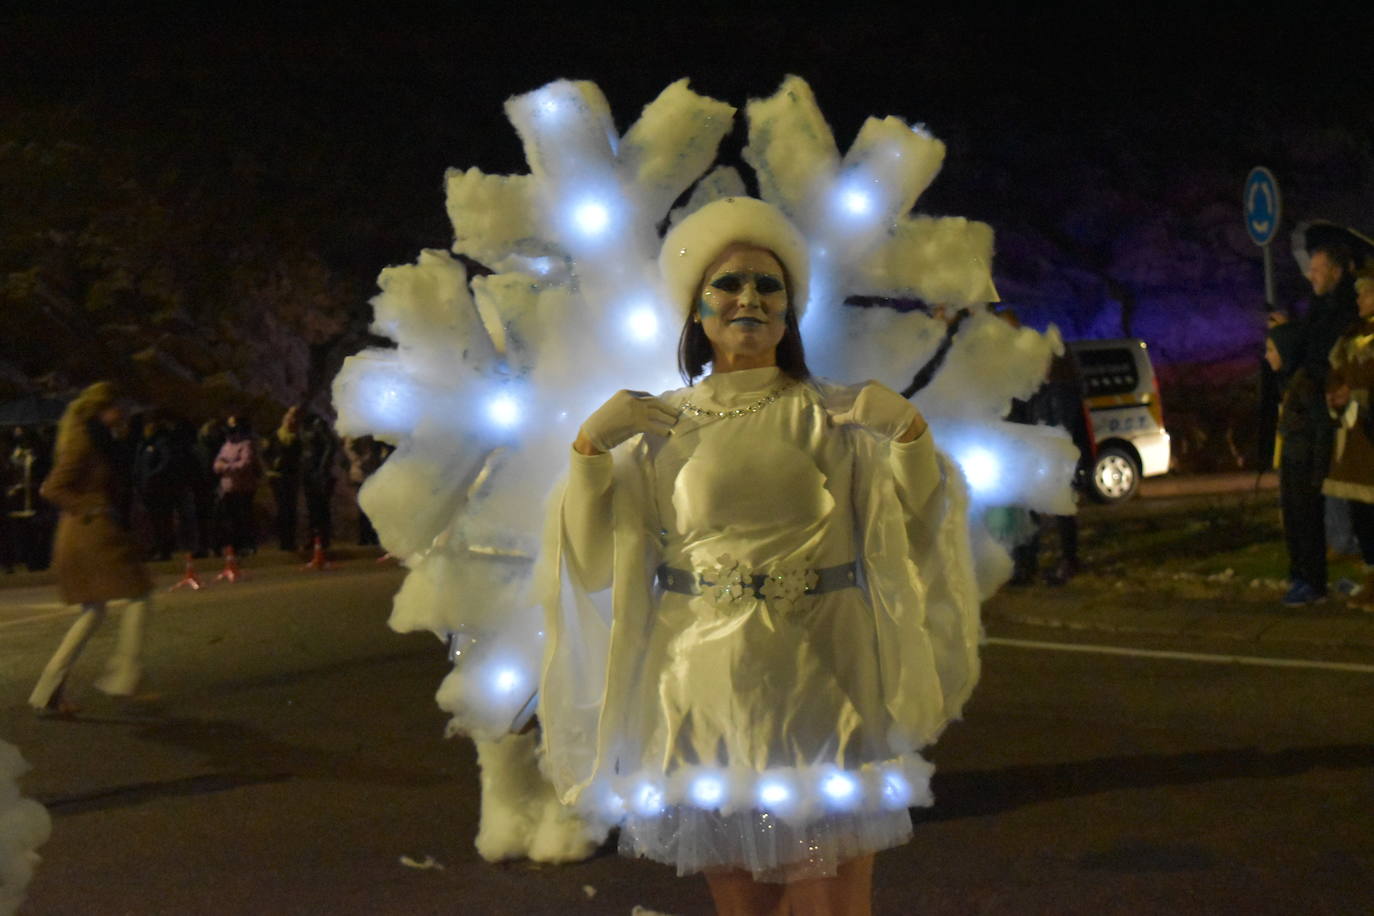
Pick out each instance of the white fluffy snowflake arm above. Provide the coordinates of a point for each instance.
(855, 211)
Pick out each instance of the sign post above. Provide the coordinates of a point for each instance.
(1263, 210)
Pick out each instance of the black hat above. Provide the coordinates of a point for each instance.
(1320, 233)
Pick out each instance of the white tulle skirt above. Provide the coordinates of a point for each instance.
(774, 851)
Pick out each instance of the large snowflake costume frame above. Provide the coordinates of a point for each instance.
(493, 374)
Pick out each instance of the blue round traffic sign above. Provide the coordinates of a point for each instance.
(1262, 205)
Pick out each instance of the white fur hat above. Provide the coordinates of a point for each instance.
(694, 243)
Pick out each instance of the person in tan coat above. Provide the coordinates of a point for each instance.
(95, 556)
(1348, 396)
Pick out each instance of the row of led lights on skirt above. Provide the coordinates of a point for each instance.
(776, 793)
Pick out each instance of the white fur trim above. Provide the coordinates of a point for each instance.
(521, 814)
(695, 242)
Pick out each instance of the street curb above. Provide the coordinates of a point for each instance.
(1331, 625)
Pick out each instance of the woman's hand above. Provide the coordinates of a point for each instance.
(626, 414)
(883, 412)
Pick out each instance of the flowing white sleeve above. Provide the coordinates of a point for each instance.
(596, 582)
(587, 530)
(918, 565)
(915, 471)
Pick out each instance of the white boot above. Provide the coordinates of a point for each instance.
(562, 835)
(510, 797)
(521, 815)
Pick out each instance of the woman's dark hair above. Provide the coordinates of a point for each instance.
(694, 349)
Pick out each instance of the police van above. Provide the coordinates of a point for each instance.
(1125, 415)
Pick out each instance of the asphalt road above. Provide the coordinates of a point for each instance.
(289, 754)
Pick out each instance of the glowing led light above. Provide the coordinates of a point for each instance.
(840, 787)
(615, 806)
(857, 202)
(648, 799)
(981, 467)
(773, 793)
(504, 411)
(708, 790)
(506, 680)
(388, 401)
(384, 405)
(591, 218)
(896, 790)
(642, 324)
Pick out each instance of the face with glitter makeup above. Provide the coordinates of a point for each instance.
(743, 307)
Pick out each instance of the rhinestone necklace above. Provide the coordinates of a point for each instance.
(755, 407)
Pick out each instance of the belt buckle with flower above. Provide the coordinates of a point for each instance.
(785, 589)
(726, 583)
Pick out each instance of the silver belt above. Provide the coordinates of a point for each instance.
(814, 582)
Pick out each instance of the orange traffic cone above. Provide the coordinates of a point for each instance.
(231, 571)
(189, 579)
(317, 559)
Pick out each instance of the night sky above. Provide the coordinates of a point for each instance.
(406, 94)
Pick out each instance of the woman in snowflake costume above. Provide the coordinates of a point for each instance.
(673, 641)
(794, 609)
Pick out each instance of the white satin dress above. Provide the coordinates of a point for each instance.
(748, 703)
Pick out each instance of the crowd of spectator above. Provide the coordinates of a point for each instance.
(26, 520)
(184, 488)
(1324, 363)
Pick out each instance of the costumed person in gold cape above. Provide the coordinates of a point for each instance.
(760, 593)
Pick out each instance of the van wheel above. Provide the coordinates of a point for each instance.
(1116, 476)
